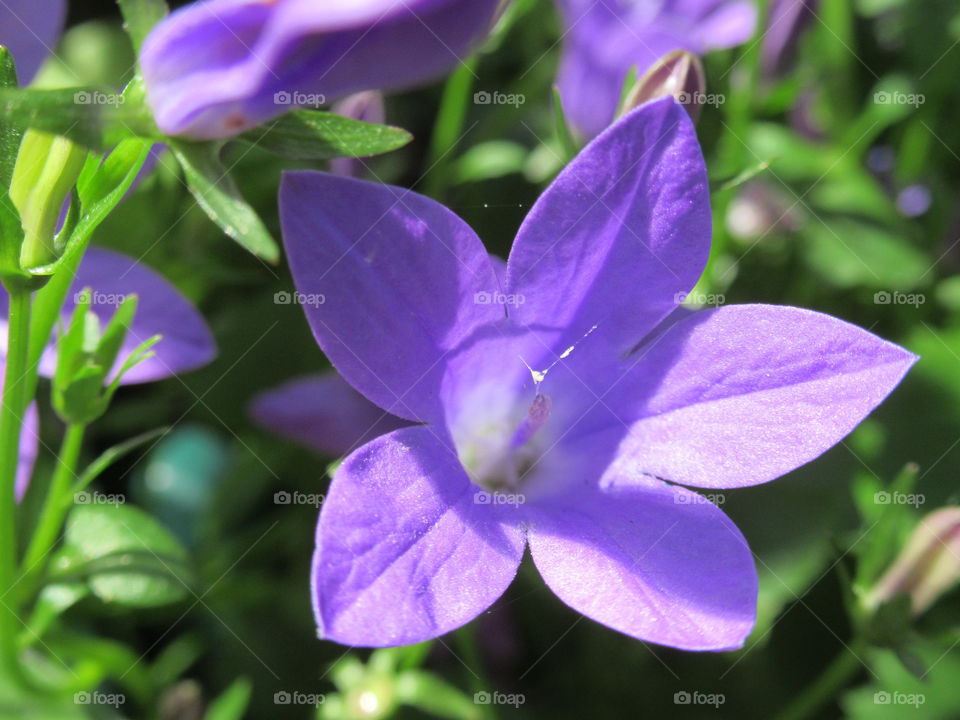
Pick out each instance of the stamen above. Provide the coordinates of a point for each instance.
(537, 416)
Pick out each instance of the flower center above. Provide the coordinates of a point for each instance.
(497, 459)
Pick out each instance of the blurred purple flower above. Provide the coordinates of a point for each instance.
(31, 30)
(605, 38)
(424, 527)
(219, 67)
(323, 413)
(187, 343)
(786, 24)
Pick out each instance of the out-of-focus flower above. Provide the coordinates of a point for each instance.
(186, 342)
(559, 409)
(678, 74)
(30, 29)
(219, 67)
(785, 26)
(605, 38)
(928, 565)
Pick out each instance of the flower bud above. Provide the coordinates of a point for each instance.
(678, 73)
(928, 565)
(46, 170)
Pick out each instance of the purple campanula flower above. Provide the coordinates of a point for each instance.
(218, 67)
(323, 413)
(186, 345)
(787, 22)
(559, 409)
(604, 38)
(30, 30)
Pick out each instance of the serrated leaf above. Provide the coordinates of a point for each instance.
(215, 191)
(128, 557)
(316, 135)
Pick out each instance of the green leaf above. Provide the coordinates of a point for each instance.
(139, 17)
(93, 117)
(232, 703)
(489, 160)
(562, 127)
(128, 557)
(110, 456)
(435, 696)
(315, 135)
(215, 191)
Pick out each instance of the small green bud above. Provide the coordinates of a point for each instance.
(47, 168)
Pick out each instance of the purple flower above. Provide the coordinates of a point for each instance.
(605, 38)
(785, 26)
(323, 413)
(219, 67)
(186, 345)
(30, 30)
(558, 408)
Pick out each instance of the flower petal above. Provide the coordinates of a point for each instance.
(31, 31)
(742, 394)
(620, 233)
(214, 69)
(187, 342)
(388, 280)
(29, 446)
(659, 563)
(404, 554)
(323, 413)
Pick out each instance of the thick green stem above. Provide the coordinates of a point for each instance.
(56, 505)
(11, 421)
(830, 682)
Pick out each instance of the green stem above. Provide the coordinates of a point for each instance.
(831, 681)
(467, 644)
(11, 420)
(56, 505)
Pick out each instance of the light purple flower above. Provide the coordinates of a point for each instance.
(603, 39)
(785, 26)
(30, 30)
(323, 413)
(187, 343)
(559, 409)
(218, 67)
